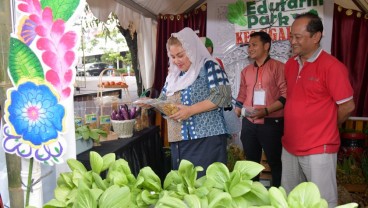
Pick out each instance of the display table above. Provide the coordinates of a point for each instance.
(143, 149)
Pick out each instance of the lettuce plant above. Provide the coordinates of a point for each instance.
(85, 132)
(180, 189)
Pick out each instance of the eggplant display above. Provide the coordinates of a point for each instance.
(125, 113)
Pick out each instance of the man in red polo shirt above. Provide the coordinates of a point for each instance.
(320, 97)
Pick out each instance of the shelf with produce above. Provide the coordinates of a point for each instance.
(102, 84)
(113, 85)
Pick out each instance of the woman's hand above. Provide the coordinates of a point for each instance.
(183, 114)
(187, 111)
(142, 104)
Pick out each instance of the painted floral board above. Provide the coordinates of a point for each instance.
(42, 56)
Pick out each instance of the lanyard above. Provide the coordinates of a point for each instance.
(260, 71)
(259, 79)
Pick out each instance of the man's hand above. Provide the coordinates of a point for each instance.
(238, 111)
(258, 113)
(344, 111)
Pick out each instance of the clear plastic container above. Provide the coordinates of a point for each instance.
(247, 111)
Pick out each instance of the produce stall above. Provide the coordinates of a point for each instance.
(143, 149)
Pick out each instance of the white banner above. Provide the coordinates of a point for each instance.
(274, 17)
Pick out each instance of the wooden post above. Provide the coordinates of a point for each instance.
(13, 163)
(13, 166)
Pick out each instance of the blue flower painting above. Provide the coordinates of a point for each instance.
(35, 113)
(35, 118)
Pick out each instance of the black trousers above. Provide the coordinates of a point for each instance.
(267, 136)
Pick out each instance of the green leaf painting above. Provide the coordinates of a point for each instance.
(313, 11)
(61, 9)
(23, 62)
(235, 13)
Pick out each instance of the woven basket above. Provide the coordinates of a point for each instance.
(123, 128)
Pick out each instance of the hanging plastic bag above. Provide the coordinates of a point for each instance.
(232, 121)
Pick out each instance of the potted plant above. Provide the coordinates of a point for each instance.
(123, 71)
(234, 154)
(86, 137)
(350, 174)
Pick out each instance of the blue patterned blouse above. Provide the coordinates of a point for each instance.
(211, 84)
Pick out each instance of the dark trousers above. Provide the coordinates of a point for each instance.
(267, 136)
(201, 152)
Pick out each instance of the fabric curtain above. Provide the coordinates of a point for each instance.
(197, 20)
(147, 56)
(349, 45)
(168, 24)
(102, 9)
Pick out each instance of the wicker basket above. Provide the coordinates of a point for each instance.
(123, 128)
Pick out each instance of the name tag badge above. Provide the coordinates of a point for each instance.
(259, 97)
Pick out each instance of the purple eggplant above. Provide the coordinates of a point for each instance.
(137, 111)
(113, 115)
(118, 117)
(132, 113)
(121, 113)
(126, 107)
(124, 114)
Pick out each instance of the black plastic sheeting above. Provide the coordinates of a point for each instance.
(141, 150)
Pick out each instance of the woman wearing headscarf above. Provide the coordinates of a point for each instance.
(196, 82)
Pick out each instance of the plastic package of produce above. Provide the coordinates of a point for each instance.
(164, 106)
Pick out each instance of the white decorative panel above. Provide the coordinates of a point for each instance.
(234, 57)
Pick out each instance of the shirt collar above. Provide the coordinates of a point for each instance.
(256, 65)
(311, 59)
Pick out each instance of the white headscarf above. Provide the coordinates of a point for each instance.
(197, 54)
